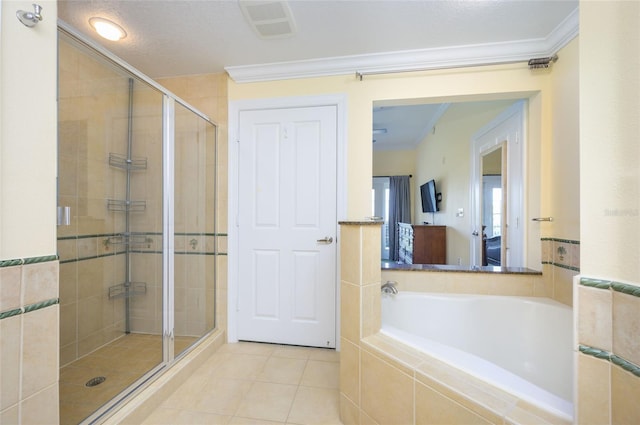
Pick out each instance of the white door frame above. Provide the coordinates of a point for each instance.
(235, 107)
(485, 140)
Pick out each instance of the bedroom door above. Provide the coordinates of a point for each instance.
(287, 226)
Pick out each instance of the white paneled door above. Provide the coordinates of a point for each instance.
(287, 225)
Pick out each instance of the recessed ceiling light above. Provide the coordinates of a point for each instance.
(107, 29)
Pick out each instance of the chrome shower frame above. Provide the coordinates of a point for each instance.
(169, 100)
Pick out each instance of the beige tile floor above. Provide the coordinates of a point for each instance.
(252, 383)
(121, 362)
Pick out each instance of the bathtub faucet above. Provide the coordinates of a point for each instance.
(389, 287)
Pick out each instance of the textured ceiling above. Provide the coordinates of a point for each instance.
(187, 37)
(181, 37)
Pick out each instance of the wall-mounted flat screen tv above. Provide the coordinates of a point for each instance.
(429, 197)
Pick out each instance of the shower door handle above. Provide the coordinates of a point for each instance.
(327, 240)
(64, 216)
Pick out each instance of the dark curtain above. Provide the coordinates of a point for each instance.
(399, 210)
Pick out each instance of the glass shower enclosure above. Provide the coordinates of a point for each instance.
(136, 228)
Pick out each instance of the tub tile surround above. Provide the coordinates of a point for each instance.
(561, 263)
(375, 369)
(29, 309)
(607, 322)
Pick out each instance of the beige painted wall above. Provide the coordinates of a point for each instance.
(563, 165)
(609, 148)
(483, 83)
(445, 156)
(28, 133)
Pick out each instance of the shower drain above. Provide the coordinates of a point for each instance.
(95, 381)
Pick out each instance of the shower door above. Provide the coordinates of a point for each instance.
(194, 227)
(136, 233)
(110, 233)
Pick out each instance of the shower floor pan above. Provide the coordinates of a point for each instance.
(91, 381)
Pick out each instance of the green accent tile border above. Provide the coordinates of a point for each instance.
(595, 283)
(606, 355)
(625, 288)
(594, 352)
(569, 241)
(563, 266)
(626, 365)
(28, 260)
(10, 313)
(10, 263)
(29, 308)
(35, 260)
(41, 304)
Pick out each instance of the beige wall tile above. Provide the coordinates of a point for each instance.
(40, 350)
(626, 326)
(42, 407)
(39, 282)
(594, 317)
(10, 416)
(397, 354)
(350, 253)
(391, 403)
(370, 245)
(523, 416)
(68, 282)
(367, 420)
(512, 285)
(434, 408)
(544, 286)
(547, 251)
(10, 337)
(625, 393)
(349, 412)
(89, 316)
(563, 285)
(474, 394)
(575, 255)
(68, 353)
(10, 288)
(371, 312)
(68, 323)
(350, 370)
(593, 390)
(350, 312)
(90, 278)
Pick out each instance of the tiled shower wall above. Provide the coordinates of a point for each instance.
(208, 93)
(607, 351)
(93, 123)
(29, 332)
(560, 263)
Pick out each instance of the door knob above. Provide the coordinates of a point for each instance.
(326, 240)
(475, 233)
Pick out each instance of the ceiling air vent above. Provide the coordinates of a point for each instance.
(269, 19)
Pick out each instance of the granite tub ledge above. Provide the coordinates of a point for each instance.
(458, 269)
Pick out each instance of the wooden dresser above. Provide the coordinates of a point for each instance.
(422, 244)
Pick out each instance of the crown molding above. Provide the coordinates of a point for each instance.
(413, 60)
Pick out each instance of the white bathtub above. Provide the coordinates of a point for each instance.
(521, 345)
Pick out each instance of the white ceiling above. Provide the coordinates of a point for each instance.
(186, 37)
